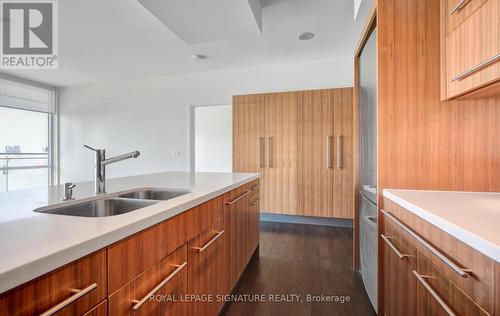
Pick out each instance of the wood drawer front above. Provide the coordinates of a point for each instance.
(99, 310)
(41, 294)
(464, 10)
(207, 269)
(132, 256)
(203, 216)
(399, 282)
(121, 303)
(480, 285)
(452, 296)
(473, 42)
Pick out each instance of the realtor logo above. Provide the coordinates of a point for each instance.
(29, 34)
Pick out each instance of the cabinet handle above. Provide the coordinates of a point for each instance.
(256, 201)
(329, 152)
(270, 152)
(69, 300)
(339, 151)
(477, 67)
(458, 7)
(421, 279)
(138, 303)
(393, 247)
(238, 198)
(256, 187)
(464, 273)
(204, 247)
(262, 146)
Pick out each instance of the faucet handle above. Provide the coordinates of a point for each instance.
(68, 191)
(87, 146)
(69, 185)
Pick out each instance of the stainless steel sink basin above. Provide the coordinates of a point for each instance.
(98, 208)
(155, 194)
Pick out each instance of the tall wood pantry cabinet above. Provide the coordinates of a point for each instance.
(301, 143)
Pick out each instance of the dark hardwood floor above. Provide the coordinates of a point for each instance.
(301, 260)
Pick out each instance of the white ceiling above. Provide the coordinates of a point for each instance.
(102, 40)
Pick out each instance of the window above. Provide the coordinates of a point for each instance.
(26, 120)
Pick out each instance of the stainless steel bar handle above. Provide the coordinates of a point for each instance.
(457, 7)
(329, 163)
(270, 152)
(139, 303)
(393, 247)
(464, 273)
(262, 149)
(421, 279)
(339, 151)
(69, 300)
(238, 198)
(478, 67)
(211, 241)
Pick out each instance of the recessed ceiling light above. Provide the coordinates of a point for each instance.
(199, 57)
(306, 36)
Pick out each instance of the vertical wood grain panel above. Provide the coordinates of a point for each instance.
(248, 127)
(343, 177)
(280, 180)
(315, 180)
(424, 143)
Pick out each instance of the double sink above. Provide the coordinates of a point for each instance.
(115, 205)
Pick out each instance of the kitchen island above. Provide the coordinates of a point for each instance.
(217, 220)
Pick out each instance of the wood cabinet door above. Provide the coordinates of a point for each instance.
(248, 133)
(343, 198)
(249, 141)
(438, 296)
(206, 271)
(167, 298)
(235, 217)
(315, 161)
(131, 256)
(471, 48)
(400, 259)
(87, 275)
(280, 174)
(253, 219)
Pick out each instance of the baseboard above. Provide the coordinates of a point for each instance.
(308, 220)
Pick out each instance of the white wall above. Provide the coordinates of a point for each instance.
(152, 114)
(213, 138)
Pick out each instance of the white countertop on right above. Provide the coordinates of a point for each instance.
(471, 217)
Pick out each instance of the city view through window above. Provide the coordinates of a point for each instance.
(24, 149)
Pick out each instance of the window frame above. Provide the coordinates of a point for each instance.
(52, 126)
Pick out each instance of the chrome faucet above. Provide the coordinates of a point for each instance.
(68, 191)
(100, 166)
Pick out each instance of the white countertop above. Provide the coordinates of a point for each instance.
(471, 217)
(32, 244)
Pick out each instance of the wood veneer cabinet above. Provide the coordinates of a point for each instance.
(85, 276)
(133, 255)
(470, 35)
(202, 251)
(301, 143)
(446, 276)
(206, 270)
(242, 241)
(127, 300)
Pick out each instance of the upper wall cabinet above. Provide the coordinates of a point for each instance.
(470, 41)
